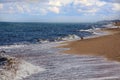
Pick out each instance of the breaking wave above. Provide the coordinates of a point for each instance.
(12, 68)
(69, 37)
(66, 38)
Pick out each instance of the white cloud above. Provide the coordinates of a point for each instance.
(100, 3)
(54, 9)
(20, 8)
(1, 5)
(88, 6)
(55, 3)
(89, 3)
(43, 7)
(54, 6)
(66, 2)
(59, 2)
(116, 7)
(82, 2)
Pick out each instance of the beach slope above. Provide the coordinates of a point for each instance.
(107, 46)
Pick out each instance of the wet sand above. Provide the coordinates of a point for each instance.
(107, 46)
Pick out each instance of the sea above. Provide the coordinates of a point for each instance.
(18, 33)
(36, 44)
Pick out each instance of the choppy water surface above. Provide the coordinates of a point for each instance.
(60, 66)
(26, 33)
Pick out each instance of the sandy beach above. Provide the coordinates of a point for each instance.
(107, 46)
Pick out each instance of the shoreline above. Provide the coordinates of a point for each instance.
(107, 46)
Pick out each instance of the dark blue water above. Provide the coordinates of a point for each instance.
(11, 33)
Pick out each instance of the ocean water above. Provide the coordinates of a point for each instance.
(35, 44)
(18, 33)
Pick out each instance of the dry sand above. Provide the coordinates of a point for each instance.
(107, 46)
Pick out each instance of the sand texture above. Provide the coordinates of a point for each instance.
(107, 46)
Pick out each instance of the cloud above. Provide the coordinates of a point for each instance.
(55, 3)
(55, 6)
(116, 7)
(9, 1)
(82, 2)
(112, 1)
(89, 3)
(54, 9)
(89, 6)
(1, 6)
(59, 7)
(20, 8)
(65, 2)
(59, 10)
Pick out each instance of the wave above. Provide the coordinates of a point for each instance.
(88, 30)
(94, 33)
(70, 37)
(43, 40)
(12, 46)
(111, 25)
(66, 38)
(92, 29)
(12, 68)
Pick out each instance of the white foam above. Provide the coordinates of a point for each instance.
(25, 69)
(12, 46)
(110, 26)
(97, 32)
(70, 37)
(59, 65)
(105, 78)
(43, 41)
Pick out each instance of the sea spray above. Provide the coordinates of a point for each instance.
(27, 69)
(16, 69)
(65, 38)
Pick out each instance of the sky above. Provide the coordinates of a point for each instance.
(59, 10)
